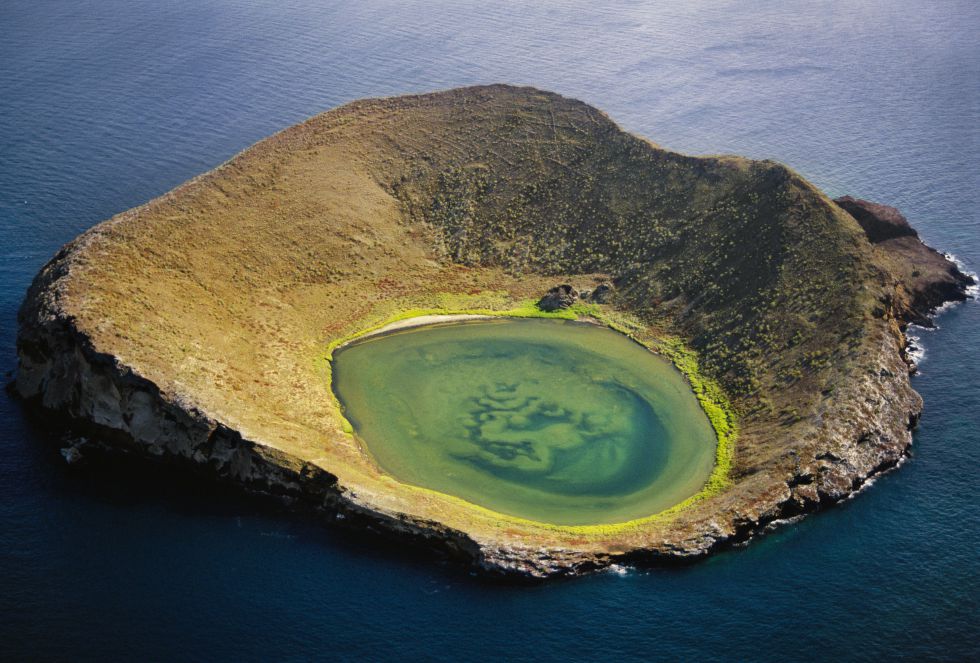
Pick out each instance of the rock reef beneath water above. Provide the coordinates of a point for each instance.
(197, 328)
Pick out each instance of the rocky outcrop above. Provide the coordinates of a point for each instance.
(925, 278)
(559, 297)
(879, 222)
(72, 454)
(601, 294)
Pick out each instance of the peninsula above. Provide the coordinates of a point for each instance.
(201, 327)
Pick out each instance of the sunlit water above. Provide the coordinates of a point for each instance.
(550, 420)
(105, 104)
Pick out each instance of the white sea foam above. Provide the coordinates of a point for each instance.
(872, 480)
(618, 569)
(914, 347)
(780, 522)
(973, 291)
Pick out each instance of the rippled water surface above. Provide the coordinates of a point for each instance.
(105, 104)
(556, 421)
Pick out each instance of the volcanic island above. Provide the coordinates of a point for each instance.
(491, 322)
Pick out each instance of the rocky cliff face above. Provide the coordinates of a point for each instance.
(60, 368)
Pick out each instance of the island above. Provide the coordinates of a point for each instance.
(203, 328)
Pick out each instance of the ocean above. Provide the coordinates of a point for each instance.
(105, 104)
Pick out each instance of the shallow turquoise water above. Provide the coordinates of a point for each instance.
(551, 420)
(106, 104)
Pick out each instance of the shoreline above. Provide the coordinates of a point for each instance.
(418, 321)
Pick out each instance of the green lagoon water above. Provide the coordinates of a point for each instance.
(551, 420)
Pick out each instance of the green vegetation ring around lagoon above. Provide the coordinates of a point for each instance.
(579, 516)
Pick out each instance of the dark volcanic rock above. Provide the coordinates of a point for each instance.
(71, 455)
(559, 297)
(602, 293)
(926, 278)
(880, 222)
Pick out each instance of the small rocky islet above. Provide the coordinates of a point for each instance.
(199, 327)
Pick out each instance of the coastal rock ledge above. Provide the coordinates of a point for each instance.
(198, 328)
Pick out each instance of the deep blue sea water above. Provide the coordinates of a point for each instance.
(107, 103)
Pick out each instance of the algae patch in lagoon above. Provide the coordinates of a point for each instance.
(549, 420)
